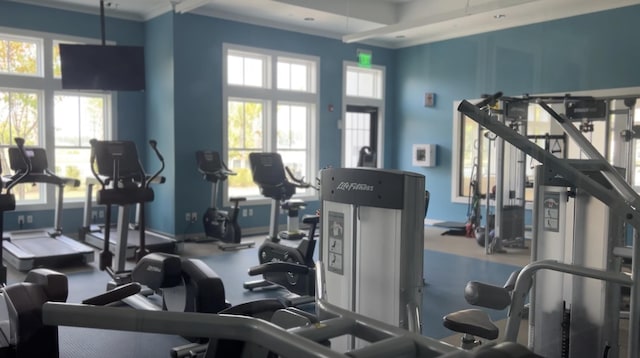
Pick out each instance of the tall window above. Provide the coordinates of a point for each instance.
(33, 106)
(78, 118)
(364, 112)
(271, 100)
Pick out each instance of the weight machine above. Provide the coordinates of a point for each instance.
(580, 208)
(373, 243)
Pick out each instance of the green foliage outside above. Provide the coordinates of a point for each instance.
(245, 136)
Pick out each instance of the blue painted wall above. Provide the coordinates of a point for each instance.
(160, 120)
(587, 52)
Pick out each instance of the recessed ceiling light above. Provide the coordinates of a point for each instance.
(309, 19)
(499, 16)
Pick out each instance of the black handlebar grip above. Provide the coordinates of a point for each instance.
(489, 100)
(154, 144)
(485, 295)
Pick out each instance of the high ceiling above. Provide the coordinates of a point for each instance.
(387, 23)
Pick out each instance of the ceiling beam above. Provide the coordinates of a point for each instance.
(189, 5)
(380, 12)
(434, 19)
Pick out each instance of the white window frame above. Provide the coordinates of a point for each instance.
(364, 101)
(270, 95)
(50, 86)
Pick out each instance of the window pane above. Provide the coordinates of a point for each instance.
(18, 57)
(57, 67)
(245, 69)
(234, 70)
(92, 121)
(299, 77)
(352, 83)
(253, 72)
(364, 82)
(469, 154)
(67, 120)
(242, 183)
(284, 76)
(73, 163)
(77, 120)
(293, 76)
(292, 126)
(244, 135)
(357, 135)
(244, 125)
(19, 118)
(296, 161)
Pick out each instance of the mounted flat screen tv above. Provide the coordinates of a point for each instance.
(98, 67)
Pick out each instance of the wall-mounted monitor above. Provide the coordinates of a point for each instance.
(98, 67)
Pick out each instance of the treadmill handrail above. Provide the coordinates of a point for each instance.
(20, 144)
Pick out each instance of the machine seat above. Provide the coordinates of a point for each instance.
(471, 321)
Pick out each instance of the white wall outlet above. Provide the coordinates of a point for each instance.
(29, 219)
(20, 219)
(187, 217)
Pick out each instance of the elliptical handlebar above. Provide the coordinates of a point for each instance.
(92, 161)
(489, 100)
(154, 146)
(298, 182)
(27, 161)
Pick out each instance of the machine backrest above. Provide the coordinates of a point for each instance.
(107, 153)
(267, 169)
(208, 161)
(367, 157)
(38, 158)
(268, 172)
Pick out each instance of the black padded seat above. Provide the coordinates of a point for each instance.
(472, 321)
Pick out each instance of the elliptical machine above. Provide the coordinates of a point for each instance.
(218, 224)
(268, 173)
(184, 284)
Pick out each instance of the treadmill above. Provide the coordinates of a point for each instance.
(123, 231)
(27, 249)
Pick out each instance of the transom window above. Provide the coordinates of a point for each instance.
(33, 106)
(20, 55)
(271, 106)
(364, 82)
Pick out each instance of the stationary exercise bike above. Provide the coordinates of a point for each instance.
(218, 224)
(268, 173)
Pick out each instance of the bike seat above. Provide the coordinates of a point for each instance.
(471, 321)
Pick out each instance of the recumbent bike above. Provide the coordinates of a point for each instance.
(268, 173)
